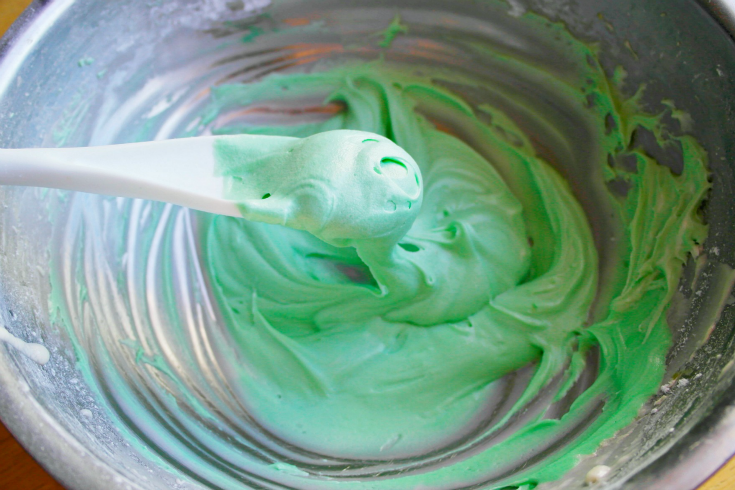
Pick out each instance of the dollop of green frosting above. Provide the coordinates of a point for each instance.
(341, 186)
(373, 352)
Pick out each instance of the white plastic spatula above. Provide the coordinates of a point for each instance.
(180, 171)
(339, 185)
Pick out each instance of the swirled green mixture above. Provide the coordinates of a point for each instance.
(371, 353)
(483, 334)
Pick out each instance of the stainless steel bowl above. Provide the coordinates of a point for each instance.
(683, 50)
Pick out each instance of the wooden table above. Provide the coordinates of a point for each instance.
(18, 471)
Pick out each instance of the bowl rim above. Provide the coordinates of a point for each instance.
(685, 465)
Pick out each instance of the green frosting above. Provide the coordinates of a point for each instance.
(372, 352)
(509, 320)
(340, 186)
(394, 29)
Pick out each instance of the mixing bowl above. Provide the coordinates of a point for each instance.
(84, 72)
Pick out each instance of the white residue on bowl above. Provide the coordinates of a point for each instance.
(36, 352)
(596, 474)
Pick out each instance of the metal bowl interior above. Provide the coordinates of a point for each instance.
(81, 60)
